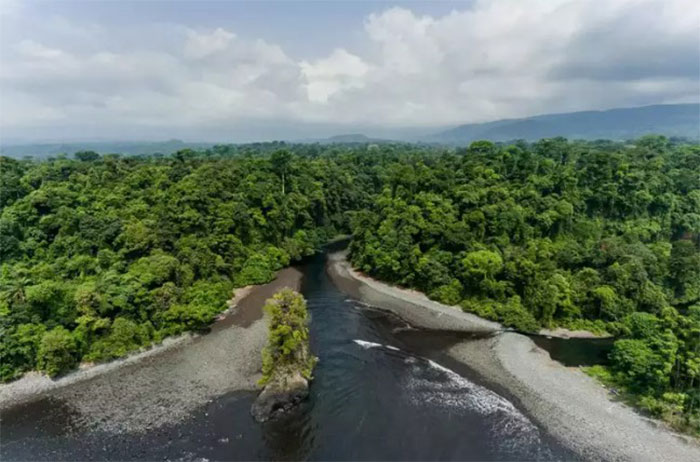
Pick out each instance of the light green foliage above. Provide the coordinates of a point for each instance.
(486, 308)
(449, 294)
(481, 265)
(287, 347)
(608, 302)
(18, 349)
(596, 326)
(510, 312)
(513, 314)
(124, 337)
(550, 297)
(601, 373)
(155, 270)
(260, 267)
(87, 298)
(57, 352)
(638, 362)
(200, 304)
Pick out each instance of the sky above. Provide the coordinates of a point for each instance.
(242, 71)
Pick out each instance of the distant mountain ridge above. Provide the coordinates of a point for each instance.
(681, 120)
(349, 138)
(42, 150)
(673, 120)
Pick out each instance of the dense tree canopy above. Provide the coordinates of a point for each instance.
(599, 235)
(102, 255)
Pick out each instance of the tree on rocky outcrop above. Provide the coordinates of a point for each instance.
(287, 359)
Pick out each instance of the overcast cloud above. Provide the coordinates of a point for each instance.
(65, 77)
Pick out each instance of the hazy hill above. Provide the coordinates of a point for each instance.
(681, 120)
(43, 150)
(349, 138)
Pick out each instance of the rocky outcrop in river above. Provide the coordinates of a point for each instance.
(287, 358)
(280, 396)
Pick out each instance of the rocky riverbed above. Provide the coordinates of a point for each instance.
(165, 384)
(571, 406)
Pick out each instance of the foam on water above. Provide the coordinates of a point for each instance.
(515, 431)
(430, 384)
(482, 400)
(367, 345)
(358, 303)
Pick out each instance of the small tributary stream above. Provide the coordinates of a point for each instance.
(381, 391)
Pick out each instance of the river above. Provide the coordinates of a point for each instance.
(381, 391)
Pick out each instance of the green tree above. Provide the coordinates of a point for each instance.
(87, 156)
(288, 339)
(57, 352)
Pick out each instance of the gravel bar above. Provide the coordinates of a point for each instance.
(568, 404)
(410, 305)
(162, 385)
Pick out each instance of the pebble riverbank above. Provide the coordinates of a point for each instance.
(164, 384)
(571, 406)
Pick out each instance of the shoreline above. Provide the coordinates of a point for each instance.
(563, 332)
(463, 321)
(33, 384)
(565, 402)
(412, 304)
(163, 384)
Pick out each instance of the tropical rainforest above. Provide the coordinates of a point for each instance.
(104, 255)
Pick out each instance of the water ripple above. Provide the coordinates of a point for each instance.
(429, 384)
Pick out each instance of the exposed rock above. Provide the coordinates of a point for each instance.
(279, 396)
(287, 358)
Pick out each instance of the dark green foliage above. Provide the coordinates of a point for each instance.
(556, 233)
(87, 156)
(104, 255)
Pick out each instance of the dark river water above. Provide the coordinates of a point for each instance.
(380, 392)
(576, 351)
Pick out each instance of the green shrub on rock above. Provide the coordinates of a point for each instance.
(287, 349)
(287, 358)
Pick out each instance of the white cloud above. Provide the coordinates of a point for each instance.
(201, 45)
(327, 76)
(33, 50)
(10, 8)
(493, 59)
(408, 42)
